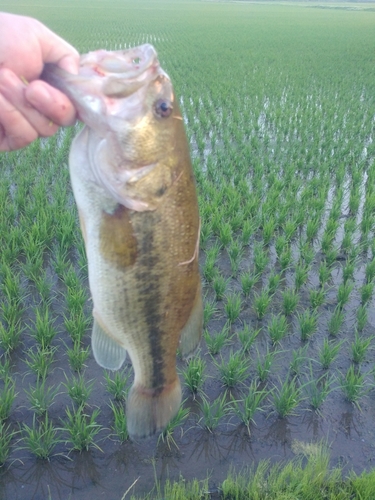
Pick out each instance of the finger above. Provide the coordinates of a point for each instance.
(51, 103)
(59, 51)
(13, 90)
(15, 131)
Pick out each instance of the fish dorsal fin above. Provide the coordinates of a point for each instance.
(107, 353)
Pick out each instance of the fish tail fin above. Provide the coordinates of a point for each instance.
(192, 331)
(149, 411)
(107, 353)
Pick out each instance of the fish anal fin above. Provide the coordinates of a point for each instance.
(192, 331)
(107, 353)
(149, 411)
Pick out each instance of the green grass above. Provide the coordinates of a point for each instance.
(41, 438)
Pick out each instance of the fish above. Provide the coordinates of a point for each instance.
(135, 191)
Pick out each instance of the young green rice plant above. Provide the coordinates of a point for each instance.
(277, 328)
(329, 352)
(76, 325)
(366, 292)
(280, 245)
(299, 358)
(235, 252)
(41, 438)
(312, 228)
(177, 421)
(287, 397)
(61, 261)
(300, 276)
(194, 374)
(274, 280)
(308, 322)
(213, 412)
(225, 233)
(5, 367)
(331, 256)
(235, 370)
(81, 428)
(79, 389)
(119, 426)
(307, 253)
(248, 228)
(71, 278)
(261, 302)
(43, 330)
(6, 436)
(318, 390)
(215, 342)
(264, 364)
(10, 336)
(233, 306)
(261, 258)
(247, 337)
(12, 311)
(353, 385)
(208, 311)
(7, 396)
(252, 402)
(290, 299)
(220, 284)
(43, 286)
(335, 322)
(317, 297)
(285, 259)
(324, 273)
(360, 347)
(41, 397)
(348, 271)
(78, 356)
(290, 227)
(361, 317)
(370, 271)
(116, 386)
(33, 265)
(346, 242)
(39, 360)
(210, 269)
(343, 294)
(269, 226)
(75, 299)
(248, 280)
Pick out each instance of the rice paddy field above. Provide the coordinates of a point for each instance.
(279, 106)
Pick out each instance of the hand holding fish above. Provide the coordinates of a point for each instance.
(29, 107)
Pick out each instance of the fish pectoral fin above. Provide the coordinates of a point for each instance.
(192, 331)
(107, 353)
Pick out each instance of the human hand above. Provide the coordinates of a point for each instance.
(29, 107)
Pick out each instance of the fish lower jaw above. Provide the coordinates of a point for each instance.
(150, 410)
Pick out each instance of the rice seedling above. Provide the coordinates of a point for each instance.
(81, 428)
(318, 390)
(366, 292)
(39, 360)
(348, 271)
(43, 330)
(233, 306)
(248, 228)
(41, 438)
(225, 233)
(264, 364)
(360, 347)
(290, 299)
(248, 281)
(116, 386)
(361, 317)
(261, 303)
(353, 385)
(307, 253)
(269, 226)
(208, 311)
(247, 337)
(76, 325)
(5, 367)
(6, 436)
(329, 352)
(287, 397)
(216, 341)
(300, 276)
(209, 269)
(194, 374)
(220, 284)
(299, 358)
(79, 389)
(273, 282)
(213, 412)
(343, 294)
(280, 245)
(75, 299)
(41, 397)
(370, 271)
(12, 311)
(324, 273)
(261, 258)
(78, 356)
(10, 336)
(7, 396)
(246, 408)
(235, 252)
(61, 261)
(308, 323)
(285, 259)
(335, 321)
(235, 370)
(119, 426)
(277, 328)
(317, 297)
(178, 420)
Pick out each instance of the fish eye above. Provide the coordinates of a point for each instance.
(136, 60)
(163, 108)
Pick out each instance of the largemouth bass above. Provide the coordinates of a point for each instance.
(134, 187)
